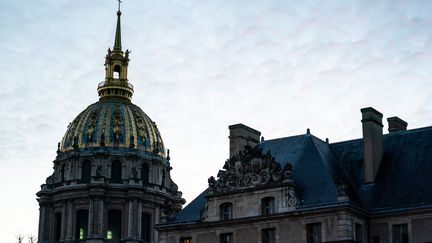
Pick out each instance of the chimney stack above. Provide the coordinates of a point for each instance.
(396, 124)
(240, 136)
(373, 148)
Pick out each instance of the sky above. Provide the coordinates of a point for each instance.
(198, 66)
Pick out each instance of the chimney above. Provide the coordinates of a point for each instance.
(396, 124)
(240, 136)
(372, 142)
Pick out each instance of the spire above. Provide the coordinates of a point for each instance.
(116, 63)
(117, 41)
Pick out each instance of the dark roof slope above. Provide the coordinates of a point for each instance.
(403, 180)
(311, 161)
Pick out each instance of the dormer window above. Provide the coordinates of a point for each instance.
(267, 206)
(117, 70)
(226, 211)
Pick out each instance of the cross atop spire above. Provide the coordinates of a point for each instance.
(117, 41)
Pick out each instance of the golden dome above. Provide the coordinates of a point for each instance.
(113, 123)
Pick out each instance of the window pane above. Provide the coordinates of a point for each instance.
(114, 225)
(359, 233)
(226, 211)
(145, 227)
(313, 233)
(57, 223)
(116, 172)
(186, 240)
(268, 235)
(86, 171)
(400, 233)
(267, 206)
(226, 238)
(81, 225)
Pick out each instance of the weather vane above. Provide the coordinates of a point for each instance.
(119, 1)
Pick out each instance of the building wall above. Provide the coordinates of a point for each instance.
(419, 226)
(288, 229)
(248, 204)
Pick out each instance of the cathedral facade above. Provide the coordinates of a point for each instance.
(111, 179)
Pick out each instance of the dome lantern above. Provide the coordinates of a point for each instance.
(116, 63)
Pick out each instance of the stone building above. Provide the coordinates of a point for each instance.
(111, 179)
(301, 189)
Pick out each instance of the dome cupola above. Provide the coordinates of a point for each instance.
(116, 63)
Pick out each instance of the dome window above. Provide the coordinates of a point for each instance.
(145, 173)
(86, 171)
(81, 224)
(114, 224)
(145, 227)
(57, 226)
(116, 172)
(62, 173)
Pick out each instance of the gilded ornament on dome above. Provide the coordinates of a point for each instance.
(117, 123)
(91, 126)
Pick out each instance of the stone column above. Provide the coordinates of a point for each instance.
(130, 219)
(95, 220)
(156, 221)
(91, 218)
(63, 222)
(69, 220)
(139, 219)
(41, 233)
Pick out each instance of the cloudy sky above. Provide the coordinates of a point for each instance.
(198, 66)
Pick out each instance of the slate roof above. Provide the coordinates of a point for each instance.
(403, 181)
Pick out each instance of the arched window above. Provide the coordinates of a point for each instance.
(86, 171)
(81, 225)
(116, 172)
(226, 211)
(114, 224)
(267, 206)
(62, 172)
(145, 173)
(117, 70)
(146, 227)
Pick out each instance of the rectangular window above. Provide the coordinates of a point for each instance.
(57, 229)
(359, 233)
(375, 239)
(226, 211)
(226, 238)
(186, 240)
(81, 224)
(145, 227)
(313, 233)
(400, 233)
(268, 235)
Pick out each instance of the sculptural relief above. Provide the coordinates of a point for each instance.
(249, 169)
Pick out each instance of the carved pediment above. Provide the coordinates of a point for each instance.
(249, 169)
